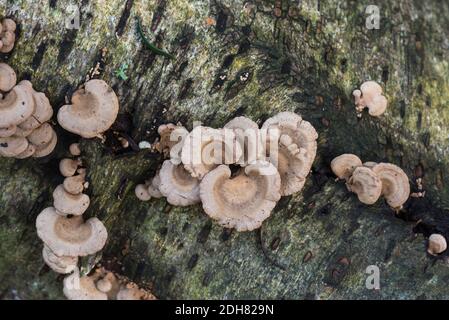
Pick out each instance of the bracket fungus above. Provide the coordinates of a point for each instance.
(370, 96)
(70, 236)
(295, 152)
(437, 244)
(395, 184)
(242, 201)
(344, 165)
(7, 35)
(93, 110)
(366, 184)
(178, 186)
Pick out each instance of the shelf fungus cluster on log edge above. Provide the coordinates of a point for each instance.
(238, 172)
(24, 115)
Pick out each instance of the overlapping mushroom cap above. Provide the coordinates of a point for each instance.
(395, 184)
(344, 165)
(43, 110)
(16, 106)
(7, 35)
(366, 184)
(8, 78)
(93, 110)
(70, 236)
(242, 201)
(63, 264)
(295, 152)
(67, 203)
(370, 96)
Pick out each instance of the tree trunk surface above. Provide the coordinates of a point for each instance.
(302, 56)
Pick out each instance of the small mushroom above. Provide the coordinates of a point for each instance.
(75, 149)
(93, 110)
(242, 201)
(68, 167)
(437, 244)
(82, 288)
(344, 165)
(180, 188)
(7, 35)
(70, 236)
(370, 96)
(43, 110)
(395, 184)
(66, 203)
(16, 106)
(58, 264)
(8, 78)
(366, 184)
(142, 193)
(75, 184)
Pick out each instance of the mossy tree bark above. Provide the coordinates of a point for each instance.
(303, 56)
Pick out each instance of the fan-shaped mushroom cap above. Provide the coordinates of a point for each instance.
(395, 184)
(93, 110)
(248, 136)
(243, 201)
(204, 148)
(180, 188)
(16, 106)
(12, 146)
(82, 288)
(46, 149)
(69, 204)
(8, 131)
(344, 165)
(70, 236)
(437, 244)
(74, 184)
(68, 167)
(75, 149)
(43, 110)
(370, 96)
(366, 184)
(296, 151)
(58, 264)
(8, 78)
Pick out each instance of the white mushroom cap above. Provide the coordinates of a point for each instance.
(43, 110)
(93, 110)
(82, 288)
(58, 264)
(46, 149)
(16, 106)
(180, 188)
(142, 193)
(370, 96)
(395, 184)
(41, 136)
(243, 201)
(75, 184)
(344, 165)
(27, 153)
(12, 146)
(70, 236)
(22, 133)
(248, 136)
(366, 184)
(8, 131)
(75, 149)
(8, 78)
(68, 167)
(437, 244)
(69, 204)
(205, 148)
(7, 35)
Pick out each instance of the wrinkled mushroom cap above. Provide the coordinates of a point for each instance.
(365, 183)
(180, 188)
(82, 288)
(437, 244)
(66, 203)
(344, 165)
(58, 264)
(93, 110)
(395, 184)
(8, 78)
(16, 106)
(243, 201)
(70, 236)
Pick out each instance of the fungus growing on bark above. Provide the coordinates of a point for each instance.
(150, 189)
(437, 244)
(93, 110)
(63, 264)
(70, 236)
(395, 184)
(7, 35)
(243, 201)
(66, 203)
(68, 167)
(370, 96)
(366, 184)
(8, 78)
(180, 188)
(344, 165)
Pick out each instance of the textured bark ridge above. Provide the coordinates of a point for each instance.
(303, 56)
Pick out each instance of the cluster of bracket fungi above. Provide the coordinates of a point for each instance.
(269, 162)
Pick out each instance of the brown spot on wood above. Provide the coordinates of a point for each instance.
(307, 257)
(275, 243)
